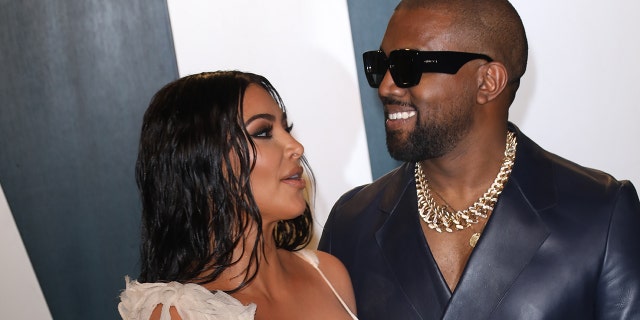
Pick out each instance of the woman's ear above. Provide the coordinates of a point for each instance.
(492, 79)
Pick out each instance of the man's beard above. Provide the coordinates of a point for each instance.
(428, 141)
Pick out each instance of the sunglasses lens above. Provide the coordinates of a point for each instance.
(403, 69)
(375, 67)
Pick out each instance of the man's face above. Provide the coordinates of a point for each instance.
(427, 120)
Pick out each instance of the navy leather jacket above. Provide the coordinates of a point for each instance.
(563, 242)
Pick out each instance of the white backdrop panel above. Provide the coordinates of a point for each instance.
(20, 294)
(579, 96)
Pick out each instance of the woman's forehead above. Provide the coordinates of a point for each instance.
(258, 100)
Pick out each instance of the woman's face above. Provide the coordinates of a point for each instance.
(276, 180)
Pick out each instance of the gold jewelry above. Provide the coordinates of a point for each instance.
(440, 218)
(474, 239)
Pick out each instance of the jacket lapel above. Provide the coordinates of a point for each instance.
(406, 252)
(511, 238)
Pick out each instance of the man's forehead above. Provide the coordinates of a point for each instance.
(421, 29)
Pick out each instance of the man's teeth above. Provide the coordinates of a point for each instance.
(401, 115)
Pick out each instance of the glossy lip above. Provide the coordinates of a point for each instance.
(294, 178)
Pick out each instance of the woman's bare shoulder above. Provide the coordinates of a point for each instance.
(338, 275)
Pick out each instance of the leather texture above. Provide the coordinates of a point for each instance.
(563, 242)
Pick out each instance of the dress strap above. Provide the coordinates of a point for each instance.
(311, 257)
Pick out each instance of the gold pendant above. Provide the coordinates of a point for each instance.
(474, 239)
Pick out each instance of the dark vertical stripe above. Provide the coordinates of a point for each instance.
(368, 22)
(76, 78)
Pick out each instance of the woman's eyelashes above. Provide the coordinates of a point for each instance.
(263, 132)
(266, 131)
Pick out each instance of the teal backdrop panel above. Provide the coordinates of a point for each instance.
(369, 20)
(76, 78)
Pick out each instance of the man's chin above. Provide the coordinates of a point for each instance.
(398, 150)
(401, 155)
(395, 142)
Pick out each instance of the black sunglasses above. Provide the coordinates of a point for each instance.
(406, 65)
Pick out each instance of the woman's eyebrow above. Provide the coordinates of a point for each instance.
(266, 116)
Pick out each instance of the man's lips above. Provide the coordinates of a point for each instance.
(397, 118)
(398, 110)
(401, 115)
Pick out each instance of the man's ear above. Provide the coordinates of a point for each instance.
(492, 79)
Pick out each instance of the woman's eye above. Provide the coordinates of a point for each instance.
(263, 133)
(288, 128)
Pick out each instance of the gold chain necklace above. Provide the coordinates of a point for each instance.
(440, 218)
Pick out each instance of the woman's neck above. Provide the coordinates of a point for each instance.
(261, 258)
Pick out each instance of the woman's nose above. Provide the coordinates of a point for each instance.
(297, 149)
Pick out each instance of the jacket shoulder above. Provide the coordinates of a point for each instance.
(546, 178)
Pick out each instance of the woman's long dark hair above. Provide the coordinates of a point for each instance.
(192, 172)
